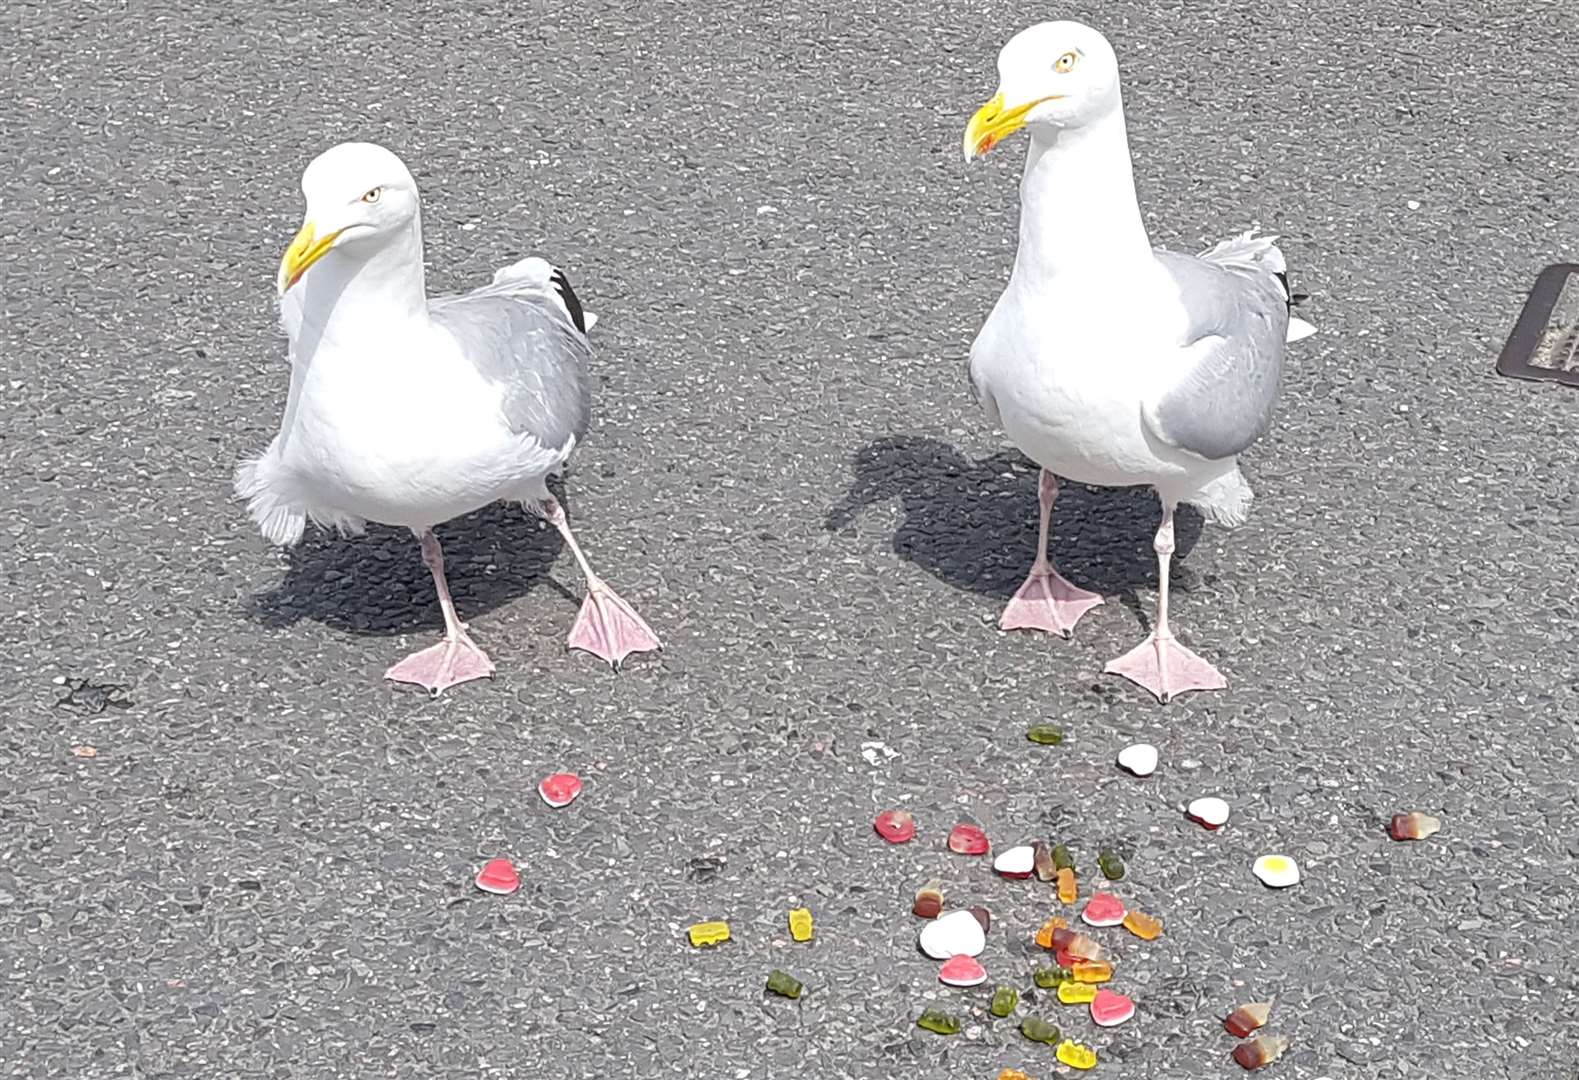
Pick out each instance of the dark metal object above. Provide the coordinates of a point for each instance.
(1541, 347)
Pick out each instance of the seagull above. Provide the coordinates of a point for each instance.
(411, 410)
(1108, 361)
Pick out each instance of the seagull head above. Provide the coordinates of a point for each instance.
(359, 196)
(1052, 75)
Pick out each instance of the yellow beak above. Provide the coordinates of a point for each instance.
(305, 250)
(993, 123)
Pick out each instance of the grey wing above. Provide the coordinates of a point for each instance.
(523, 341)
(1237, 325)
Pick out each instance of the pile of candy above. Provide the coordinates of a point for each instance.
(1080, 964)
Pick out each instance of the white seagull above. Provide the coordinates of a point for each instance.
(1107, 361)
(411, 410)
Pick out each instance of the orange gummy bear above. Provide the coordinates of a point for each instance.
(1012, 1074)
(1092, 971)
(1143, 926)
(1044, 936)
(1068, 891)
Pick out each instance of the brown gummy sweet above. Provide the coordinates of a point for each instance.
(1259, 1053)
(1414, 826)
(929, 900)
(1042, 861)
(1246, 1019)
(1077, 944)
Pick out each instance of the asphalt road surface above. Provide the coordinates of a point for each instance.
(266, 869)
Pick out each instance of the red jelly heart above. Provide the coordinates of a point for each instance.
(896, 826)
(1104, 909)
(1110, 1008)
(560, 789)
(498, 877)
(962, 971)
(967, 840)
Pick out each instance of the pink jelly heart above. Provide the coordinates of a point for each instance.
(962, 971)
(498, 877)
(1110, 1008)
(1104, 909)
(967, 840)
(560, 789)
(896, 826)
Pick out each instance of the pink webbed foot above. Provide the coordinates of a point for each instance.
(1166, 668)
(451, 661)
(1047, 601)
(609, 628)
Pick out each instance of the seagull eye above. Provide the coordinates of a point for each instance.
(372, 196)
(1065, 63)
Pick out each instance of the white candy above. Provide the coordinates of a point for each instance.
(1140, 759)
(1017, 862)
(954, 934)
(1209, 811)
(1276, 871)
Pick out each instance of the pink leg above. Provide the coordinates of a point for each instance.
(607, 627)
(1047, 601)
(1160, 663)
(455, 659)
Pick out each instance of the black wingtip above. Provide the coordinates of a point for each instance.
(1294, 299)
(568, 295)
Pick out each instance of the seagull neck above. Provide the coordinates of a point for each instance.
(389, 285)
(1078, 212)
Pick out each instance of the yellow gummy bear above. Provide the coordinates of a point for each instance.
(1076, 993)
(800, 924)
(1076, 1056)
(709, 933)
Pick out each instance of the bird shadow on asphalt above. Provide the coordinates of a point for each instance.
(973, 524)
(376, 584)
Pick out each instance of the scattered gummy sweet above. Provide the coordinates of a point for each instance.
(983, 916)
(784, 985)
(1076, 1056)
(1045, 735)
(1110, 1009)
(709, 933)
(1111, 865)
(1062, 860)
(1414, 826)
(1038, 1030)
(800, 924)
(1042, 861)
(1077, 944)
(1068, 890)
(1004, 1000)
(1013, 1074)
(1077, 993)
(1103, 909)
(939, 1022)
(1246, 1019)
(1261, 1052)
(1092, 971)
(1276, 871)
(1048, 977)
(929, 900)
(1143, 926)
(966, 839)
(895, 826)
(1044, 936)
